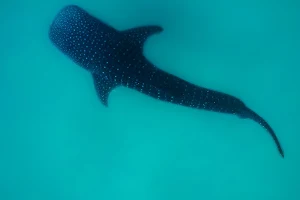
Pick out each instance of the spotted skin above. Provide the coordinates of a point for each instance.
(115, 58)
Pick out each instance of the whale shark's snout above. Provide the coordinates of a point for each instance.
(79, 35)
(68, 15)
(67, 27)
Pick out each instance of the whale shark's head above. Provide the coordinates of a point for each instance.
(78, 34)
(68, 27)
(70, 33)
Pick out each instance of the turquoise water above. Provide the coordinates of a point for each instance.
(58, 142)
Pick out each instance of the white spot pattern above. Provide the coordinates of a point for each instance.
(116, 58)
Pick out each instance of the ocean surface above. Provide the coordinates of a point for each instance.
(58, 142)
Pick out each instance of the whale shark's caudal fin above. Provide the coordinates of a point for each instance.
(254, 116)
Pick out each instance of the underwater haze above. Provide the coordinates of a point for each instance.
(58, 141)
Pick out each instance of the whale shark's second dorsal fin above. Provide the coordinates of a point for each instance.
(139, 35)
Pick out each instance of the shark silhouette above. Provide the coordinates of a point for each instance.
(115, 58)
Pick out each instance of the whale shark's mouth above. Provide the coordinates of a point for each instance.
(71, 31)
(69, 15)
(66, 23)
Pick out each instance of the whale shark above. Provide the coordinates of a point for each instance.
(115, 58)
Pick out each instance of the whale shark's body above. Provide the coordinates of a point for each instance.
(115, 58)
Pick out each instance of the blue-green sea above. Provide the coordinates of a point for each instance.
(58, 142)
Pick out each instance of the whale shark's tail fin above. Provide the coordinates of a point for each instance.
(254, 116)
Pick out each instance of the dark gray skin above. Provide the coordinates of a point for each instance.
(115, 58)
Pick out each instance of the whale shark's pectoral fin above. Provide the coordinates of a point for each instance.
(103, 85)
(140, 34)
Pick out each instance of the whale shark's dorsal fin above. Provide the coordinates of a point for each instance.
(103, 85)
(139, 35)
(103, 82)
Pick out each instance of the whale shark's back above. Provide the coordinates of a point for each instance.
(78, 34)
